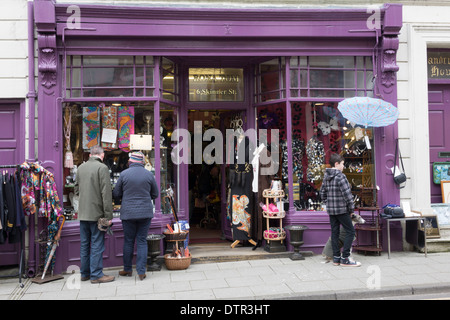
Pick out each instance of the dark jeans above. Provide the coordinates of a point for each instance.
(135, 230)
(346, 221)
(91, 250)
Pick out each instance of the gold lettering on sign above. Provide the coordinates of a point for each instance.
(438, 65)
(215, 78)
(216, 84)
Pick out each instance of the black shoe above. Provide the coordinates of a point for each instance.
(336, 261)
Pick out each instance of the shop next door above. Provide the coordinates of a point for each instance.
(11, 145)
(439, 120)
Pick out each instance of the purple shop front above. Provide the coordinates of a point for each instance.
(289, 67)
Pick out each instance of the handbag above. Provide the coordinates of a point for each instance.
(392, 211)
(399, 177)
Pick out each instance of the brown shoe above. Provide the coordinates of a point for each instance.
(124, 273)
(142, 276)
(103, 279)
(85, 278)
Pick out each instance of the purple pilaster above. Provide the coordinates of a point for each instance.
(31, 133)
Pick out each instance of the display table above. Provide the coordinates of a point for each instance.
(404, 219)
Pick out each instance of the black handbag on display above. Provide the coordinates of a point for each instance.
(399, 177)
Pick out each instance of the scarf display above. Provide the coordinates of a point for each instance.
(91, 127)
(126, 127)
(109, 121)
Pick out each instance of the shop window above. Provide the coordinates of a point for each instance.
(169, 80)
(270, 124)
(168, 170)
(318, 130)
(109, 76)
(331, 77)
(269, 80)
(112, 126)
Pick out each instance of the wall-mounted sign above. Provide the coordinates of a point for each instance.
(216, 84)
(438, 65)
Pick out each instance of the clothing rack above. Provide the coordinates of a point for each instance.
(10, 166)
(21, 262)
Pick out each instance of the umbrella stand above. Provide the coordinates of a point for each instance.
(44, 278)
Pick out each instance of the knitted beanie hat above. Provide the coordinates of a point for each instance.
(137, 157)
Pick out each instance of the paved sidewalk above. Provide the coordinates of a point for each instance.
(279, 278)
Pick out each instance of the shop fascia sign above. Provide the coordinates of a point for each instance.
(438, 64)
(216, 84)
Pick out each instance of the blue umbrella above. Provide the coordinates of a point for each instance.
(368, 112)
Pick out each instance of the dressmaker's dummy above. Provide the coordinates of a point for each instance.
(242, 198)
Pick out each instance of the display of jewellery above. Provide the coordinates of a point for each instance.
(355, 167)
(316, 157)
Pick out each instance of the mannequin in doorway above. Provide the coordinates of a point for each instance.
(241, 178)
(261, 181)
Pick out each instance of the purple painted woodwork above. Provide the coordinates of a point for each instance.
(438, 117)
(220, 36)
(12, 141)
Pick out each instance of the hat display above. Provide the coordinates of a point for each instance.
(137, 157)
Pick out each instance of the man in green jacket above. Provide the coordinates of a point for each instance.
(93, 185)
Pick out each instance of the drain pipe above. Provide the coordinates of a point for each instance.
(31, 96)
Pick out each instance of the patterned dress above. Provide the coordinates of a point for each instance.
(242, 198)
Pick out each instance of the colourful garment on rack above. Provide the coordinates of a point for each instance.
(39, 183)
(30, 177)
(109, 121)
(126, 127)
(91, 127)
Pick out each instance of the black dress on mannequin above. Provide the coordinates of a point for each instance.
(242, 199)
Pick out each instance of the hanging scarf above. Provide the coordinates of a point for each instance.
(91, 127)
(109, 121)
(126, 127)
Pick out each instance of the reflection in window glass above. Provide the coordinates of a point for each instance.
(109, 76)
(168, 170)
(269, 80)
(331, 77)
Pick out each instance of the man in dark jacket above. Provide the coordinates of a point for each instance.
(336, 194)
(137, 187)
(93, 185)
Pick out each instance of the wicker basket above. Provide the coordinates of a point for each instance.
(180, 236)
(274, 235)
(177, 263)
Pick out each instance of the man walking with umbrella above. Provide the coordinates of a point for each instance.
(93, 185)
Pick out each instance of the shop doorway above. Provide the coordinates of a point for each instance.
(439, 117)
(11, 146)
(208, 206)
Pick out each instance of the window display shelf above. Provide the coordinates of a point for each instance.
(274, 233)
(274, 215)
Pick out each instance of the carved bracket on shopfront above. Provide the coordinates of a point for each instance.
(47, 60)
(389, 65)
